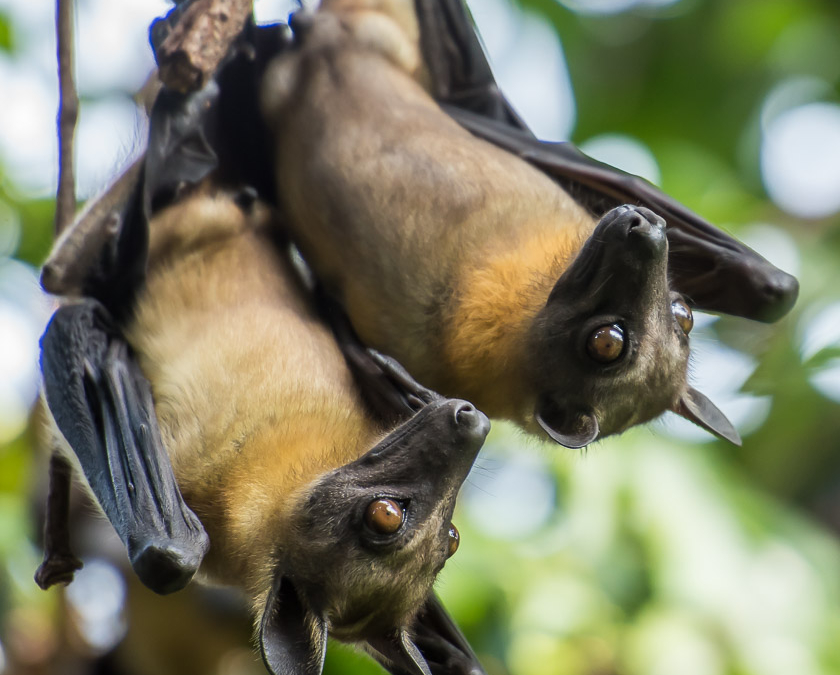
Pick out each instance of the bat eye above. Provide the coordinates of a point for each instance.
(682, 313)
(454, 540)
(384, 516)
(606, 343)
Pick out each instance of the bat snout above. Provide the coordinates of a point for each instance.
(450, 439)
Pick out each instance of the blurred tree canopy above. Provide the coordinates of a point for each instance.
(649, 554)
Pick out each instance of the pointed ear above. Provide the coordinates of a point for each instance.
(571, 428)
(293, 639)
(695, 407)
(401, 652)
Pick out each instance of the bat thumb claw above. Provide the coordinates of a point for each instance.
(164, 568)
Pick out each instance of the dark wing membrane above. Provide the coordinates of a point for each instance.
(712, 269)
(218, 128)
(103, 406)
(179, 151)
(461, 75)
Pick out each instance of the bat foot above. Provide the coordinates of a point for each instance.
(57, 568)
(416, 394)
(164, 568)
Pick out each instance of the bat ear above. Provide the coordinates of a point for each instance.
(695, 407)
(569, 427)
(400, 651)
(293, 639)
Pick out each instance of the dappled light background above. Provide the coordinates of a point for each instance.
(661, 552)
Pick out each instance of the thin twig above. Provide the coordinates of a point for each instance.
(199, 40)
(68, 112)
(59, 562)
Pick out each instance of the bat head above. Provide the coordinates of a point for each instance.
(366, 542)
(610, 347)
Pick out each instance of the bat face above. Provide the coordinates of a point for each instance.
(384, 519)
(368, 539)
(610, 347)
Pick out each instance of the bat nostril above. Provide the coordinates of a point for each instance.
(466, 414)
(471, 421)
(645, 225)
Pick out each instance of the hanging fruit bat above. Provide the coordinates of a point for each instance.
(218, 425)
(329, 521)
(478, 270)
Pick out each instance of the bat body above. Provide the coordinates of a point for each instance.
(261, 418)
(471, 266)
(277, 454)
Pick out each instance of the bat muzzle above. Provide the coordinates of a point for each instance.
(624, 260)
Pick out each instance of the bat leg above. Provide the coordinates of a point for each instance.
(59, 563)
(103, 406)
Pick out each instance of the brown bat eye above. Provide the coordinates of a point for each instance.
(384, 516)
(454, 540)
(682, 313)
(606, 343)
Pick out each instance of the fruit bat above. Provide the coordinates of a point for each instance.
(218, 425)
(330, 522)
(510, 272)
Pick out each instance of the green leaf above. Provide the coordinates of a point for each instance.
(6, 35)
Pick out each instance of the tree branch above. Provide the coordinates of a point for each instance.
(199, 40)
(68, 112)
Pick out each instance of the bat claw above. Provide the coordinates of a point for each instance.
(414, 391)
(164, 568)
(57, 568)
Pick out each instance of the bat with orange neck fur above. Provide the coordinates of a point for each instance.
(217, 423)
(474, 268)
(330, 520)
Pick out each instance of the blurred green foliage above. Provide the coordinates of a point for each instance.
(660, 557)
(6, 43)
